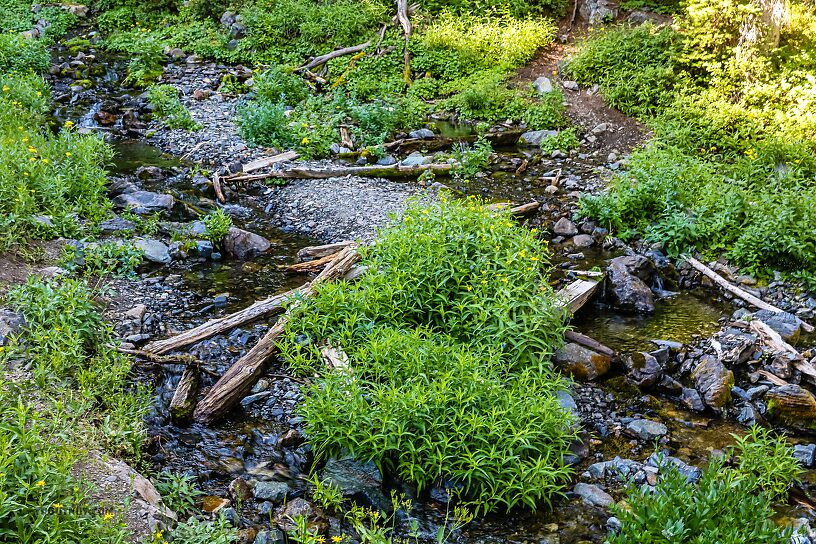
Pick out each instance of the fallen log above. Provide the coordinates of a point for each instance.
(241, 376)
(518, 211)
(266, 162)
(316, 252)
(774, 340)
(591, 343)
(154, 357)
(773, 378)
(734, 290)
(312, 266)
(407, 145)
(323, 59)
(577, 293)
(392, 171)
(262, 308)
(183, 403)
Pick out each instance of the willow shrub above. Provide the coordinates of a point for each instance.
(449, 336)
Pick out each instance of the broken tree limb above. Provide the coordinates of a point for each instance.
(392, 171)
(774, 341)
(241, 376)
(266, 162)
(154, 357)
(316, 252)
(591, 343)
(734, 290)
(184, 398)
(577, 293)
(259, 309)
(312, 266)
(219, 194)
(774, 379)
(518, 211)
(323, 59)
(408, 145)
(405, 20)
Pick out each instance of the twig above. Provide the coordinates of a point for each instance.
(323, 59)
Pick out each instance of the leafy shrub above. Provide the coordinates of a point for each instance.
(767, 461)
(449, 335)
(19, 54)
(178, 491)
(277, 85)
(264, 123)
(474, 159)
(565, 140)
(194, 531)
(216, 226)
(106, 258)
(166, 104)
(721, 507)
(517, 8)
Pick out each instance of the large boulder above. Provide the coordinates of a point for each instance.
(243, 244)
(362, 481)
(792, 404)
(628, 291)
(580, 362)
(143, 202)
(154, 250)
(713, 381)
(535, 137)
(596, 12)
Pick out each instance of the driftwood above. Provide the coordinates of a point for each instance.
(577, 293)
(773, 378)
(518, 211)
(591, 343)
(266, 162)
(184, 398)
(242, 375)
(405, 21)
(219, 194)
(407, 145)
(588, 273)
(734, 290)
(778, 345)
(312, 266)
(316, 252)
(323, 59)
(262, 308)
(155, 357)
(392, 171)
(335, 358)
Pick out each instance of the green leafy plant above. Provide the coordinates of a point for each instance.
(766, 460)
(178, 491)
(194, 531)
(565, 140)
(118, 259)
(473, 160)
(216, 226)
(166, 104)
(328, 496)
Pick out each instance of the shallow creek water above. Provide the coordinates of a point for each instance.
(242, 443)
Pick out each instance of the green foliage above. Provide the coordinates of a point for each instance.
(277, 85)
(194, 531)
(565, 140)
(23, 55)
(118, 259)
(449, 335)
(40, 501)
(516, 8)
(216, 226)
(166, 104)
(767, 461)
(721, 507)
(178, 491)
(326, 495)
(472, 159)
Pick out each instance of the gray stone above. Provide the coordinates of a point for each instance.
(600, 128)
(805, 454)
(644, 369)
(269, 536)
(628, 292)
(614, 525)
(143, 202)
(583, 240)
(355, 479)
(270, 491)
(566, 401)
(713, 381)
(786, 324)
(416, 159)
(580, 362)
(535, 137)
(596, 12)
(543, 85)
(594, 495)
(338, 149)
(565, 227)
(692, 399)
(154, 250)
(10, 325)
(116, 224)
(748, 416)
(243, 244)
(204, 248)
(388, 160)
(646, 429)
(570, 85)
(423, 134)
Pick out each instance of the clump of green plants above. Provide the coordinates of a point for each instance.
(728, 504)
(277, 85)
(565, 140)
(216, 226)
(472, 159)
(450, 330)
(118, 259)
(195, 531)
(23, 55)
(166, 104)
(178, 491)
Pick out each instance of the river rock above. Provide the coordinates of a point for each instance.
(298, 508)
(143, 202)
(543, 85)
(644, 369)
(580, 362)
(355, 479)
(792, 404)
(535, 137)
(10, 325)
(270, 491)
(243, 244)
(565, 227)
(737, 346)
(423, 134)
(805, 454)
(154, 250)
(786, 324)
(713, 381)
(583, 240)
(628, 292)
(637, 265)
(692, 399)
(594, 495)
(646, 429)
(416, 159)
(596, 12)
(116, 225)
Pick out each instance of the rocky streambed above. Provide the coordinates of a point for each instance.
(688, 367)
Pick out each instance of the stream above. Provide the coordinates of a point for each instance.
(258, 440)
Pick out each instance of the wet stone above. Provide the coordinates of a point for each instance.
(154, 250)
(805, 455)
(243, 244)
(270, 491)
(535, 137)
(713, 381)
(594, 495)
(143, 202)
(786, 324)
(580, 362)
(692, 400)
(646, 429)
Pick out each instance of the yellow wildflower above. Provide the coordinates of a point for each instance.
(41, 483)
(69, 124)
(57, 505)
(108, 516)
(6, 88)
(67, 153)
(45, 161)
(304, 141)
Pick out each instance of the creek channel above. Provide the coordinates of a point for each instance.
(261, 439)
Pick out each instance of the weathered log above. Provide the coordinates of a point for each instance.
(392, 171)
(774, 340)
(241, 376)
(154, 357)
(407, 145)
(219, 194)
(323, 59)
(184, 398)
(266, 162)
(518, 211)
(577, 293)
(591, 343)
(316, 252)
(734, 290)
(312, 266)
(262, 308)
(405, 21)
(773, 378)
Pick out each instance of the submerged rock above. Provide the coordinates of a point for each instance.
(580, 362)
(362, 481)
(243, 244)
(646, 429)
(594, 495)
(713, 381)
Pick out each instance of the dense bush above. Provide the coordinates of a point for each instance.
(727, 505)
(448, 335)
(166, 105)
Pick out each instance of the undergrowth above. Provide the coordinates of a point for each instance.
(166, 105)
(449, 336)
